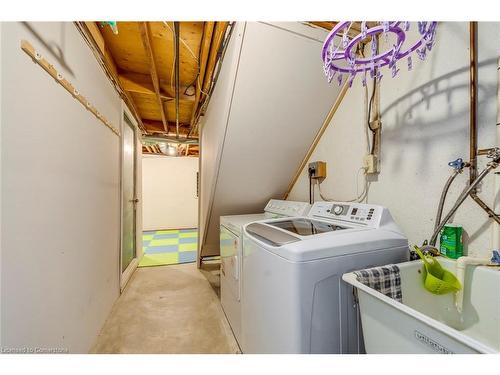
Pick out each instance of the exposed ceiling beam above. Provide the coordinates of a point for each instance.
(217, 39)
(205, 49)
(157, 127)
(146, 41)
(93, 32)
(140, 83)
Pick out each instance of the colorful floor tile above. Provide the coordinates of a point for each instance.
(163, 247)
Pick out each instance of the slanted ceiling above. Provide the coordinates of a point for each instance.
(143, 58)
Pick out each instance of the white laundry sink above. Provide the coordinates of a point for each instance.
(427, 323)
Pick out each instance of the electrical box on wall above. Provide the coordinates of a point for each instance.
(370, 162)
(317, 170)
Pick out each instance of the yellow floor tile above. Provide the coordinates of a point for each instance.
(159, 259)
(167, 231)
(163, 242)
(188, 246)
(188, 235)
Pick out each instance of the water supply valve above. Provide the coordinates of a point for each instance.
(457, 164)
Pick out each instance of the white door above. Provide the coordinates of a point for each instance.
(128, 258)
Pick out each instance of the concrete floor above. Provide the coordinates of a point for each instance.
(169, 309)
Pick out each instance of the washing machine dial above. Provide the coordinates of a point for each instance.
(337, 210)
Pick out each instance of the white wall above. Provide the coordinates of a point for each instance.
(425, 125)
(60, 193)
(169, 192)
(271, 118)
(213, 131)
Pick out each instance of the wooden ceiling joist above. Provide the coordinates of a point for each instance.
(94, 33)
(205, 50)
(146, 41)
(140, 83)
(157, 127)
(142, 58)
(217, 39)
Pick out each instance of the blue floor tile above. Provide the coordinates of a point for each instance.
(187, 256)
(165, 236)
(162, 249)
(188, 230)
(188, 240)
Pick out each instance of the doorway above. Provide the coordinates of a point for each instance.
(129, 198)
(170, 209)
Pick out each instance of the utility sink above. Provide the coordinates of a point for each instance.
(428, 323)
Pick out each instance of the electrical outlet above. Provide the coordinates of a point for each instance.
(370, 163)
(317, 170)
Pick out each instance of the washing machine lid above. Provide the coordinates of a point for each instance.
(305, 227)
(332, 242)
(235, 223)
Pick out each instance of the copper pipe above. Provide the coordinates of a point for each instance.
(472, 101)
(473, 152)
(484, 151)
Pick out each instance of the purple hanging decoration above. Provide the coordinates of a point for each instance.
(372, 69)
(339, 79)
(385, 27)
(351, 79)
(422, 27)
(331, 74)
(395, 71)
(364, 30)
(421, 53)
(335, 51)
(345, 38)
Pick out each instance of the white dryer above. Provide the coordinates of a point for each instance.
(231, 254)
(295, 299)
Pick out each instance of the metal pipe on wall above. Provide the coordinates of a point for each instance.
(496, 198)
(177, 78)
(473, 119)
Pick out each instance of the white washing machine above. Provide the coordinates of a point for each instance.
(295, 299)
(231, 254)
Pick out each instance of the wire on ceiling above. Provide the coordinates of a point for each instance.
(196, 58)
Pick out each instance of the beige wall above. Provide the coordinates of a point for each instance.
(169, 192)
(60, 193)
(425, 125)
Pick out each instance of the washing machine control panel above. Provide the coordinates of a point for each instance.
(357, 213)
(287, 208)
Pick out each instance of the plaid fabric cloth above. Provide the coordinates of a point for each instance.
(385, 280)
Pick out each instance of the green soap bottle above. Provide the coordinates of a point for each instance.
(451, 244)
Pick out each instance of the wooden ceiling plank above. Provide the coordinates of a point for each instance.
(205, 49)
(146, 41)
(96, 35)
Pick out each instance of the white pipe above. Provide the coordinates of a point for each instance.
(496, 197)
(461, 266)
